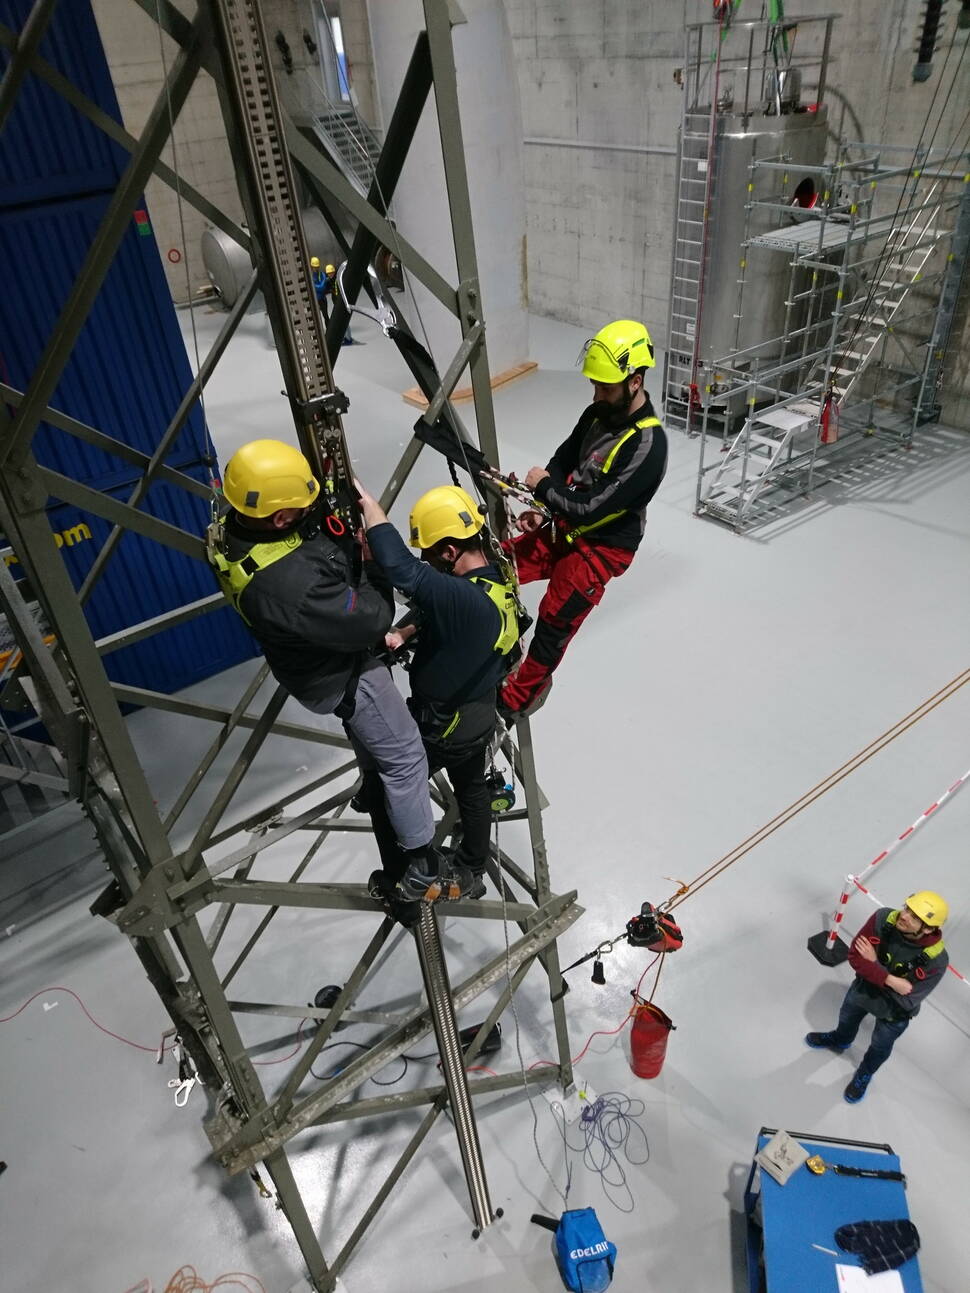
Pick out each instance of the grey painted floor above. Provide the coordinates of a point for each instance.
(721, 679)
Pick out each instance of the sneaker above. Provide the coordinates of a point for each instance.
(856, 1089)
(824, 1041)
(448, 884)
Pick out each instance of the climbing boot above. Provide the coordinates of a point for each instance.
(824, 1041)
(438, 879)
(856, 1089)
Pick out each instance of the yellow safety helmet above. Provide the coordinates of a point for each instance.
(329, 269)
(617, 351)
(446, 512)
(929, 907)
(314, 262)
(266, 475)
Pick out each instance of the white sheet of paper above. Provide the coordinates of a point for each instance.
(853, 1279)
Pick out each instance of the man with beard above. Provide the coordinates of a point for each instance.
(596, 487)
(898, 958)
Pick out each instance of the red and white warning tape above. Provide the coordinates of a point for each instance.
(881, 857)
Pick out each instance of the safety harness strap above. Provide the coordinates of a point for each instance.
(235, 576)
(571, 535)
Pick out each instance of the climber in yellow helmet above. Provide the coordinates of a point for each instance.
(596, 486)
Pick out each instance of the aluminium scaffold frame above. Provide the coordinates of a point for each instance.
(160, 889)
(874, 276)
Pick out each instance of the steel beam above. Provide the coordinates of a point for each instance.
(24, 48)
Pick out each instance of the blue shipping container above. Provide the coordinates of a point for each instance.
(48, 149)
(128, 371)
(144, 579)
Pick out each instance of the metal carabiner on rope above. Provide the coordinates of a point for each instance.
(384, 315)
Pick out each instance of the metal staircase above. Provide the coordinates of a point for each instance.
(779, 443)
(352, 145)
(33, 780)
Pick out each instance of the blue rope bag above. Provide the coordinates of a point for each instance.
(584, 1254)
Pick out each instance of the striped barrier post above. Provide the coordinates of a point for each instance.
(826, 946)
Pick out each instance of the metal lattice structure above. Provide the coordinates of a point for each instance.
(174, 900)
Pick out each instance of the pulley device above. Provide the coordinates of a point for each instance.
(652, 928)
(501, 792)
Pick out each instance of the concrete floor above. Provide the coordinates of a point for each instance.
(721, 679)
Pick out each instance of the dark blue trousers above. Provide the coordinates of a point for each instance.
(884, 1034)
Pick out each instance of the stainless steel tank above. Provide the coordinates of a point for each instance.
(229, 266)
(797, 137)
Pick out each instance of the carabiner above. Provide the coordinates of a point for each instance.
(336, 526)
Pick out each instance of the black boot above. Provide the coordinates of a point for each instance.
(431, 877)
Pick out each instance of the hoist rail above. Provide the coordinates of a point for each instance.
(291, 300)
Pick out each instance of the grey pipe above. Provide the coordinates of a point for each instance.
(438, 989)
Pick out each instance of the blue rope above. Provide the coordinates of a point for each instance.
(609, 1127)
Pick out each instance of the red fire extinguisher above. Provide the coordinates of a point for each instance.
(829, 420)
(648, 1038)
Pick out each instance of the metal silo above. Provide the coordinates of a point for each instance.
(746, 99)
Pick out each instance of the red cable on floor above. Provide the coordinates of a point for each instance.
(71, 993)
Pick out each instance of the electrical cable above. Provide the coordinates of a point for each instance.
(607, 1126)
(153, 1050)
(187, 1280)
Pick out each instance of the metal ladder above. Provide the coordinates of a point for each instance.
(689, 250)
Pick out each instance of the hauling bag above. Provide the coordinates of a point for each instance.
(584, 1254)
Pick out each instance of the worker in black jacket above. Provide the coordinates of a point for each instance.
(464, 623)
(596, 486)
(899, 958)
(292, 582)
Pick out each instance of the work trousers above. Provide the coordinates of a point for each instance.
(388, 745)
(577, 576)
(884, 1033)
(465, 766)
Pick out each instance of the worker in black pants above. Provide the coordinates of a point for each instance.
(464, 623)
(292, 581)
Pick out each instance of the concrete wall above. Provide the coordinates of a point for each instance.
(201, 153)
(600, 77)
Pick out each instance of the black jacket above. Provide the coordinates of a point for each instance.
(315, 628)
(578, 489)
(455, 660)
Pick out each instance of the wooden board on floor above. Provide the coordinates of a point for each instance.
(415, 397)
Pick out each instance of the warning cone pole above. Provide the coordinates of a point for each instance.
(826, 946)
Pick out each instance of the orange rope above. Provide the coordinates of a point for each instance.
(816, 792)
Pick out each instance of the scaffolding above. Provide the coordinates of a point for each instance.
(870, 299)
(174, 898)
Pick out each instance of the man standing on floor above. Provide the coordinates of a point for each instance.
(596, 486)
(898, 958)
(291, 578)
(464, 623)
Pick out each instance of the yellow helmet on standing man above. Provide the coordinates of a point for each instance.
(929, 907)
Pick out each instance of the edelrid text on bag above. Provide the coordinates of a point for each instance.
(584, 1254)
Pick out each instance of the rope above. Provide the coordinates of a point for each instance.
(816, 792)
(210, 447)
